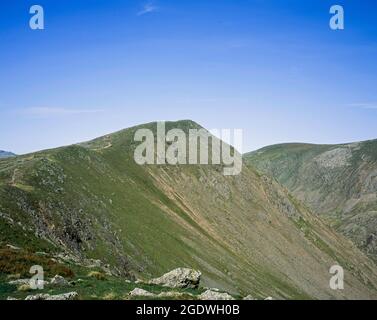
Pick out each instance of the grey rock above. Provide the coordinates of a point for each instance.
(59, 281)
(19, 282)
(45, 296)
(65, 296)
(213, 295)
(173, 294)
(13, 247)
(93, 263)
(39, 296)
(179, 278)
(137, 292)
(41, 253)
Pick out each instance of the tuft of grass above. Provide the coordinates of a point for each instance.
(19, 262)
(109, 296)
(97, 275)
(24, 287)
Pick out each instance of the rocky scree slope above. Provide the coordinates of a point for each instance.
(338, 182)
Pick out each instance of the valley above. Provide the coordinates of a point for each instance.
(337, 182)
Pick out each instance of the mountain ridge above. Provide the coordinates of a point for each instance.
(245, 233)
(6, 154)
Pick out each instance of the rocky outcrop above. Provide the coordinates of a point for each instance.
(174, 294)
(179, 278)
(214, 295)
(137, 292)
(13, 247)
(59, 281)
(45, 296)
(19, 282)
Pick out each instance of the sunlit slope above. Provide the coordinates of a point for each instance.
(245, 233)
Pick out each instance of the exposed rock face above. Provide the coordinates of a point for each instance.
(137, 292)
(249, 297)
(214, 295)
(59, 281)
(179, 278)
(335, 158)
(65, 296)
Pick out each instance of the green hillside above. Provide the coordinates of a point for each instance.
(245, 233)
(338, 182)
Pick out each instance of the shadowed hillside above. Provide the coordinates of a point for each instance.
(6, 154)
(338, 182)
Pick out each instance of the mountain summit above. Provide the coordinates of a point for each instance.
(245, 233)
(6, 154)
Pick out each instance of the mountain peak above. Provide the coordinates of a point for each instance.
(126, 136)
(6, 154)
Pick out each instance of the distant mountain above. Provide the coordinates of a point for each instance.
(6, 154)
(245, 233)
(338, 182)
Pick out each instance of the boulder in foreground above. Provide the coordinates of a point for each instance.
(137, 292)
(214, 295)
(179, 278)
(65, 296)
(59, 281)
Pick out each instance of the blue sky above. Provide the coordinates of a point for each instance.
(273, 68)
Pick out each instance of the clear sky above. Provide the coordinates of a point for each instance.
(271, 67)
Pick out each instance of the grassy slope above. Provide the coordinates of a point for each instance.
(245, 233)
(337, 181)
(90, 283)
